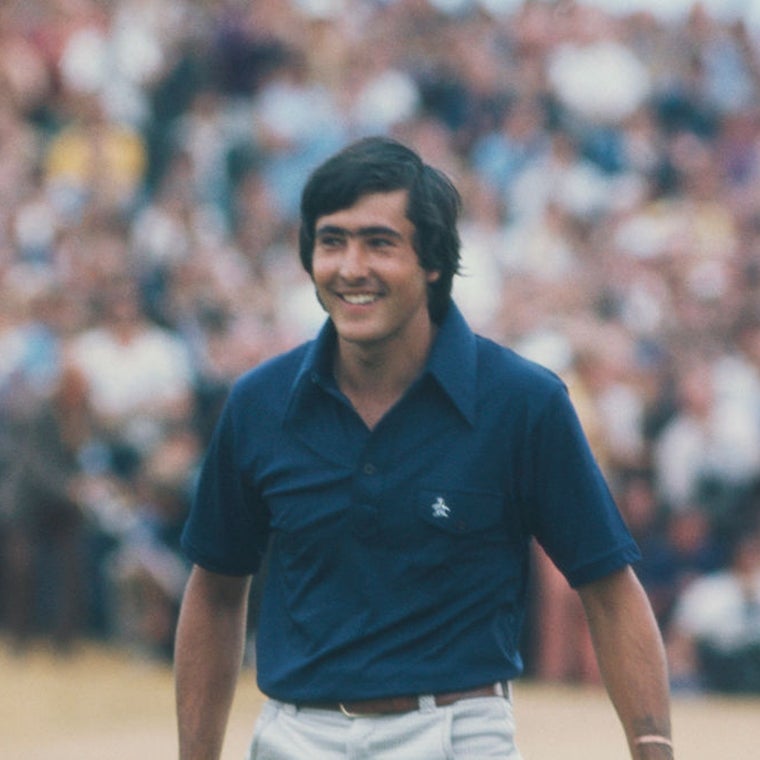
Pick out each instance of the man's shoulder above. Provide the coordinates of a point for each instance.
(271, 378)
(499, 364)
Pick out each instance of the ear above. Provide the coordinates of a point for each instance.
(433, 275)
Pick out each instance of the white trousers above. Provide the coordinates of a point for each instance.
(471, 729)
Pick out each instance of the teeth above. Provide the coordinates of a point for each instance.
(359, 298)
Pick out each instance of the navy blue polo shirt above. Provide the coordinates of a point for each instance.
(399, 555)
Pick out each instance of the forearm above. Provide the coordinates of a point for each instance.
(632, 661)
(208, 655)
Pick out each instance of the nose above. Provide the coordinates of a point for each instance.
(354, 262)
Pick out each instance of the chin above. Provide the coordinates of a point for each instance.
(360, 337)
(357, 333)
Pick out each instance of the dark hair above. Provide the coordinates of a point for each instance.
(381, 165)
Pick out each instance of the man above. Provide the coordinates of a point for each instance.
(396, 468)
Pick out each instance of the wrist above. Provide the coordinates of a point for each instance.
(653, 747)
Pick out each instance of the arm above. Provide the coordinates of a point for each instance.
(207, 659)
(631, 659)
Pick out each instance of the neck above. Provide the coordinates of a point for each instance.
(375, 378)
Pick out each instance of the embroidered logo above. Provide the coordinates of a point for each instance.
(440, 508)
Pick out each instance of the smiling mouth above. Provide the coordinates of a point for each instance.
(359, 299)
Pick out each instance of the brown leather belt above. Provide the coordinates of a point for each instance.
(398, 705)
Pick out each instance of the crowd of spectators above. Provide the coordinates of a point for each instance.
(151, 157)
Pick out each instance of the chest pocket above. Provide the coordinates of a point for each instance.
(460, 512)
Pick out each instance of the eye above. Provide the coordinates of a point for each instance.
(380, 243)
(330, 241)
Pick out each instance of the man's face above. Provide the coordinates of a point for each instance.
(367, 272)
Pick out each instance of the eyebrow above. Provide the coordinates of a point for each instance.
(334, 229)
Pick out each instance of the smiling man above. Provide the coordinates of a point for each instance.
(370, 281)
(397, 469)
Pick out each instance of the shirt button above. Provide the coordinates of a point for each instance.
(369, 469)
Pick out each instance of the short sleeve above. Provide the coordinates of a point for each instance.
(228, 527)
(572, 513)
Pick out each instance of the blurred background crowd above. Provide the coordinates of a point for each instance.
(151, 158)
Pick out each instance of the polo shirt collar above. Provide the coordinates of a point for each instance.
(452, 363)
(316, 367)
